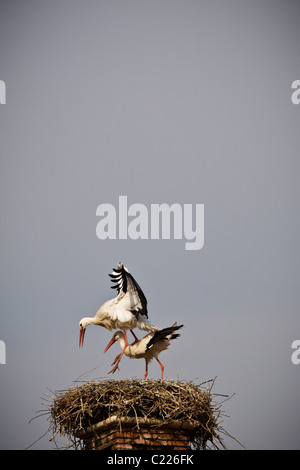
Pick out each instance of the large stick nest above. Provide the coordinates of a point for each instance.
(79, 407)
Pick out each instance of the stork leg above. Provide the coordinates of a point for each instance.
(118, 358)
(162, 368)
(136, 340)
(146, 372)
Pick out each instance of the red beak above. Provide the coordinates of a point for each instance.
(81, 337)
(112, 341)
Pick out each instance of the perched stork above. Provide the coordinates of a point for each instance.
(126, 311)
(148, 347)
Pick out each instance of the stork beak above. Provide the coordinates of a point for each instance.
(112, 341)
(81, 337)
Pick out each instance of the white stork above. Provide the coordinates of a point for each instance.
(148, 347)
(126, 311)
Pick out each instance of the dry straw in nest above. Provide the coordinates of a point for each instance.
(81, 406)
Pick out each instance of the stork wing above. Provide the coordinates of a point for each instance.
(165, 333)
(126, 284)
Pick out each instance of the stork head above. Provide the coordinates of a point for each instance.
(84, 322)
(117, 336)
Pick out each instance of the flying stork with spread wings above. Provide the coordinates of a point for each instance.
(125, 312)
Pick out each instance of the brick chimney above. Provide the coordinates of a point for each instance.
(128, 433)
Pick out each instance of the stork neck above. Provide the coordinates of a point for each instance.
(90, 321)
(94, 320)
(122, 342)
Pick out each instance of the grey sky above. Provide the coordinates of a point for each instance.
(186, 102)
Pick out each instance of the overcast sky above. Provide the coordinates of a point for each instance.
(164, 102)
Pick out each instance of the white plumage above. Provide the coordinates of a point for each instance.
(125, 312)
(148, 347)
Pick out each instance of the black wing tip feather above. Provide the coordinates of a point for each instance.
(177, 335)
(118, 276)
